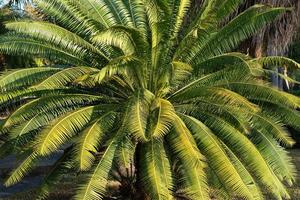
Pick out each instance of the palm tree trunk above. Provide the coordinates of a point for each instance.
(276, 38)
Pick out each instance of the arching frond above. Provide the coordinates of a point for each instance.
(137, 14)
(46, 104)
(274, 61)
(266, 125)
(69, 16)
(129, 40)
(183, 144)
(212, 93)
(64, 77)
(98, 11)
(276, 157)
(217, 158)
(257, 91)
(248, 179)
(48, 32)
(237, 117)
(126, 152)
(128, 67)
(13, 80)
(181, 13)
(63, 128)
(156, 170)
(138, 111)
(192, 161)
(142, 90)
(288, 116)
(246, 150)
(181, 71)
(8, 98)
(20, 45)
(165, 117)
(91, 138)
(156, 11)
(120, 12)
(95, 185)
(220, 62)
(24, 168)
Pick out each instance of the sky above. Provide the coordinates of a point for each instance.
(3, 2)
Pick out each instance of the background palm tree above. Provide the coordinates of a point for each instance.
(166, 103)
(276, 38)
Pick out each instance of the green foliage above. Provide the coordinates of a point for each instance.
(144, 91)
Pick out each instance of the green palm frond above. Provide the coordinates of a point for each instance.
(119, 10)
(276, 157)
(69, 16)
(248, 152)
(219, 62)
(126, 152)
(123, 38)
(183, 8)
(217, 158)
(22, 170)
(192, 161)
(123, 66)
(46, 104)
(22, 134)
(8, 98)
(248, 179)
(92, 136)
(180, 139)
(17, 45)
(212, 94)
(137, 14)
(260, 72)
(266, 125)
(288, 116)
(63, 129)
(181, 71)
(13, 80)
(227, 7)
(236, 31)
(96, 182)
(156, 170)
(138, 116)
(254, 91)
(272, 61)
(165, 118)
(64, 77)
(99, 11)
(237, 117)
(48, 32)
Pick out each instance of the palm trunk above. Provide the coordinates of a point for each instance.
(276, 38)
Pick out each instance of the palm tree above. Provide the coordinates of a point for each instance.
(138, 92)
(277, 38)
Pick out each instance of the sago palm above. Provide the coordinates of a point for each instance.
(138, 89)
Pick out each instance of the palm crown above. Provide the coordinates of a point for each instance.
(138, 87)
